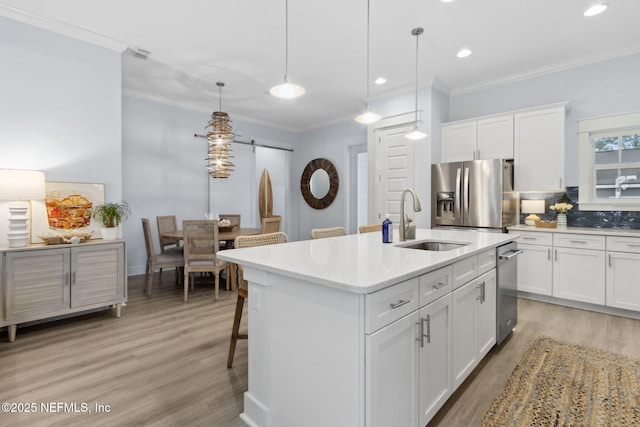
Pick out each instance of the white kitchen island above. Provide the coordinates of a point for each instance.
(348, 331)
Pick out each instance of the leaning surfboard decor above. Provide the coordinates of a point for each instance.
(265, 197)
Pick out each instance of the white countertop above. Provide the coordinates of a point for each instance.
(579, 230)
(361, 263)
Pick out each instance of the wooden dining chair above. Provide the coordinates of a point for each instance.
(371, 228)
(243, 288)
(321, 233)
(271, 224)
(167, 223)
(171, 259)
(201, 245)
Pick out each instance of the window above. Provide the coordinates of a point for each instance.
(610, 162)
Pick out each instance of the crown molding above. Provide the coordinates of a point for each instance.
(541, 72)
(62, 28)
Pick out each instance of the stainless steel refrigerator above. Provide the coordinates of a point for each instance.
(476, 194)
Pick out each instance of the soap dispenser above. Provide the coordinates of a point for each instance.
(387, 230)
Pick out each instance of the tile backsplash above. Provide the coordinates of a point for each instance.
(576, 218)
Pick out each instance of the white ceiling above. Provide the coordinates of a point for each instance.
(196, 43)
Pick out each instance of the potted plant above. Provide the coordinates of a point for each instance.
(110, 215)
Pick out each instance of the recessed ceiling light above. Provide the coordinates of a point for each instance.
(380, 81)
(595, 10)
(463, 53)
(446, 1)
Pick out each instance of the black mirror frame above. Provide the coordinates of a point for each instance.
(305, 183)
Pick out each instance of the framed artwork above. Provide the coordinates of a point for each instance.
(66, 210)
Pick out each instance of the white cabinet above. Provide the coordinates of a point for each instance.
(495, 137)
(392, 374)
(45, 281)
(579, 267)
(535, 269)
(623, 269)
(459, 141)
(539, 148)
(485, 138)
(435, 357)
(474, 324)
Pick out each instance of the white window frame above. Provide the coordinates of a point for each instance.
(594, 127)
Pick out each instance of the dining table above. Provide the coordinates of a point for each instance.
(226, 236)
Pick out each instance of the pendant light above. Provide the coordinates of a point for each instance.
(220, 138)
(416, 134)
(368, 117)
(287, 90)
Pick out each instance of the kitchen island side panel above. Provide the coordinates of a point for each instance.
(306, 353)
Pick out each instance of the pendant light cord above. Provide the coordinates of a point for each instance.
(368, 50)
(286, 40)
(416, 120)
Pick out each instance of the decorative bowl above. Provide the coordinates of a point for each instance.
(225, 229)
(68, 238)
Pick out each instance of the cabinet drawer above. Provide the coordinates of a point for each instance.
(623, 244)
(535, 238)
(486, 261)
(390, 304)
(435, 284)
(464, 270)
(579, 241)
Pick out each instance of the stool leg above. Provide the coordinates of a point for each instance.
(235, 330)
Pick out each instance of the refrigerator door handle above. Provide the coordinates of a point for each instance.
(458, 212)
(465, 196)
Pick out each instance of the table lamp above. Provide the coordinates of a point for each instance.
(20, 186)
(532, 207)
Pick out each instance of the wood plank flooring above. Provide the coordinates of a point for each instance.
(163, 363)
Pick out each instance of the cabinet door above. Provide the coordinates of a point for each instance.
(37, 284)
(486, 313)
(392, 374)
(623, 286)
(459, 142)
(495, 138)
(535, 269)
(464, 332)
(539, 150)
(97, 274)
(435, 357)
(579, 275)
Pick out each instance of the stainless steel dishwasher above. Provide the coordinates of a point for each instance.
(507, 289)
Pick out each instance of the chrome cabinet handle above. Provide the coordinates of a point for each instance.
(400, 303)
(578, 241)
(428, 320)
(527, 238)
(440, 285)
(482, 292)
(73, 278)
(420, 338)
(549, 254)
(556, 255)
(609, 260)
(632, 245)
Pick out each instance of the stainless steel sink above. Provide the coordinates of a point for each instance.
(435, 246)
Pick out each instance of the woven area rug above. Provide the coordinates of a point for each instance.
(562, 384)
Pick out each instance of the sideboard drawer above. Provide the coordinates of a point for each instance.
(623, 244)
(390, 304)
(579, 241)
(435, 284)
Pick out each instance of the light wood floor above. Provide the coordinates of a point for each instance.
(163, 363)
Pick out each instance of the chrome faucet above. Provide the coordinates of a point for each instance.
(404, 219)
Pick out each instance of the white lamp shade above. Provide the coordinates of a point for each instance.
(287, 90)
(22, 184)
(533, 206)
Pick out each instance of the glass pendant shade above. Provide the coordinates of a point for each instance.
(287, 90)
(415, 134)
(368, 117)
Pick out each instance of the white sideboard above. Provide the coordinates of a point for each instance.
(588, 268)
(41, 282)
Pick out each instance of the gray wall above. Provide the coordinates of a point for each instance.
(60, 107)
(593, 90)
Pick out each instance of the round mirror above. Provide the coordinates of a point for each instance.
(319, 183)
